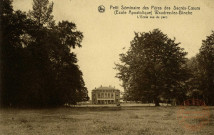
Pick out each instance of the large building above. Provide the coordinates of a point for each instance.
(105, 95)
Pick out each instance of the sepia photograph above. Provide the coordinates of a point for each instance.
(106, 67)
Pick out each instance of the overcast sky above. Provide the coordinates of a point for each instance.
(106, 34)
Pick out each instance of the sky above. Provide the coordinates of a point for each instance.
(106, 35)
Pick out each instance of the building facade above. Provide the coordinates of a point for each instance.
(105, 95)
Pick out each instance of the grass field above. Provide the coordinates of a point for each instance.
(98, 121)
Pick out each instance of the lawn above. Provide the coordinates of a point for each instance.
(99, 120)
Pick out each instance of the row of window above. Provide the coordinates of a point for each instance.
(106, 102)
(105, 95)
(106, 90)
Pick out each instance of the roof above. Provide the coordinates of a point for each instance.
(105, 88)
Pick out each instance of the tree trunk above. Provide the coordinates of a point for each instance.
(157, 102)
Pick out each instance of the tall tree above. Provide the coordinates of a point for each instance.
(37, 65)
(14, 24)
(53, 48)
(194, 82)
(153, 67)
(42, 12)
(206, 68)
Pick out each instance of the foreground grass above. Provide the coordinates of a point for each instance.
(97, 121)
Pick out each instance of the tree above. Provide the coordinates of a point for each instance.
(153, 67)
(193, 83)
(42, 13)
(205, 60)
(38, 68)
(52, 47)
(14, 24)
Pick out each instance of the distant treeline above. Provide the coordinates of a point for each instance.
(155, 69)
(38, 67)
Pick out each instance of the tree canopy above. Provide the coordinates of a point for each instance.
(153, 67)
(42, 13)
(38, 67)
(205, 60)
